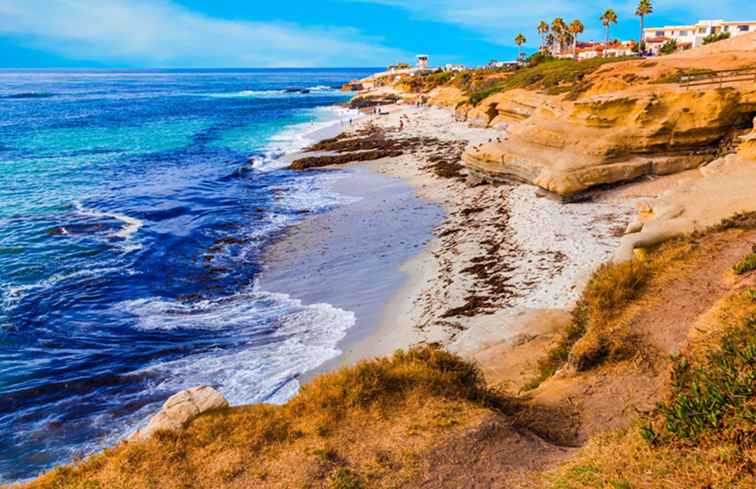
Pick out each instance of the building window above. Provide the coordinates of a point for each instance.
(683, 33)
(659, 33)
(743, 28)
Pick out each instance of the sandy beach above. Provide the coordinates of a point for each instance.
(498, 253)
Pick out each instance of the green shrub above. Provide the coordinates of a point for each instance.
(747, 264)
(668, 47)
(716, 37)
(715, 400)
(345, 479)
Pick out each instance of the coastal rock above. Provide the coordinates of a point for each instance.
(569, 147)
(723, 189)
(369, 101)
(180, 409)
(447, 97)
(568, 144)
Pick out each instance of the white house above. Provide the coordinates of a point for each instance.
(591, 49)
(422, 61)
(494, 64)
(453, 67)
(688, 36)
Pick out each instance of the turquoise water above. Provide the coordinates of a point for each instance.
(132, 223)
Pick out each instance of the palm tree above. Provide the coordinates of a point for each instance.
(609, 18)
(520, 40)
(543, 28)
(576, 27)
(644, 8)
(550, 41)
(559, 28)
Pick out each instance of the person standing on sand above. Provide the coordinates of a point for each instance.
(401, 124)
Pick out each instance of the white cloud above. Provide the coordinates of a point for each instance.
(161, 33)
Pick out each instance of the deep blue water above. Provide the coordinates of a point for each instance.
(132, 222)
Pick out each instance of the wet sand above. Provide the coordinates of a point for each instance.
(496, 251)
(351, 257)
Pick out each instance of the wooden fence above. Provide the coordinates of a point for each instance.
(719, 77)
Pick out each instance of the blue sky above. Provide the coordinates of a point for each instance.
(274, 33)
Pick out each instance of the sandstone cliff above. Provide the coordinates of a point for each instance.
(632, 119)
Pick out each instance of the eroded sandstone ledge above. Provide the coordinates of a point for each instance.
(635, 120)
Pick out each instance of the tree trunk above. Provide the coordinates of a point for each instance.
(606, 46)
(574, 47)
(640, 41)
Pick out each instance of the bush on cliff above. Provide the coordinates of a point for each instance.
(325, 435)
(702, 435)
(747, 264)
(554, 76)
(590, 338)
(597, 332)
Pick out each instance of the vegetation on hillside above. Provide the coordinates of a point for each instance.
(702, 435)
(608, 292)
(540, 72)
(747, 264)
(554, 76)
(309, 440)
(668, 47)
(597, 332)
(711, 38)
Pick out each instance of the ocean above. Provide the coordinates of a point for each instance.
(135, 208)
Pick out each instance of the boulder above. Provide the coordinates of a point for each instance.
(180, 409)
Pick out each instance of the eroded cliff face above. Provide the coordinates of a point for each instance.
(626, 125)
(568, 147)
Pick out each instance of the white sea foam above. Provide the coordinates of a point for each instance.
(279, 339)
(12, 294)
(131, 226)
(296, 137)
(319, 89)
(249, 94)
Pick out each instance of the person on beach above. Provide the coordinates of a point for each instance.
(401, 124)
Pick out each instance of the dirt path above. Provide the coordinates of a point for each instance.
(665, 321)
(661, 321)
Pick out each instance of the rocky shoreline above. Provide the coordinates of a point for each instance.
(501, 248)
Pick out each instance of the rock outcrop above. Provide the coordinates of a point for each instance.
(180, 409)
(569, 147)
(634, 119)
(725, 188)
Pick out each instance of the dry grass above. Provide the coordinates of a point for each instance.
(597, 332)
(702, 435)
(358, 427)
(591, 337)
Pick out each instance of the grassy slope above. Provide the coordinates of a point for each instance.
(702, 435)
(427, 415)
(554, 76)
(370, 424)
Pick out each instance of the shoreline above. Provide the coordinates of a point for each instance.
(350, 257)
(541, 251)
